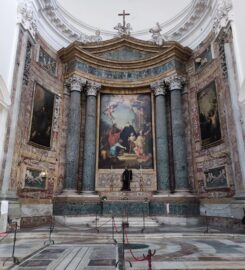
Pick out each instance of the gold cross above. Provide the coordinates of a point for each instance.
(124, 14)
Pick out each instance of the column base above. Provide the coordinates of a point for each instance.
(162, 192)
(240, 196)
(183, 192)
(89, 193)
(69, 192)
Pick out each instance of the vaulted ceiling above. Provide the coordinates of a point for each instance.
(144, 14)
(185, 21)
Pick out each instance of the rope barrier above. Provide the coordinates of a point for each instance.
(5, 234)
(131, 252)
(115, 226)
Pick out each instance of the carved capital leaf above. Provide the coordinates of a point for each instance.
(175, 82)
(75, 83)
(92, 89)
(158, 88)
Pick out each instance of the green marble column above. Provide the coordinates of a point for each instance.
(89, 154)
(178, 132)
(162, 159)
(75, 84)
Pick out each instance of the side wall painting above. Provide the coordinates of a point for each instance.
(209, 116)
(42, 115)
(216, 178)
(125, 135)
(34, 179)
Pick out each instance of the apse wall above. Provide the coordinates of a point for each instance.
(207, 161)
(41, 82)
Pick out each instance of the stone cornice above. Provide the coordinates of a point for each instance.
(89, 53)
(83, 60)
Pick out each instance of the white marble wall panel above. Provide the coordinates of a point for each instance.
(232, 210)
(34, 210)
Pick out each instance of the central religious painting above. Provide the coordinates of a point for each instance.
(125, 131)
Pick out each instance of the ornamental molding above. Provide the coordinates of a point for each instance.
(175, 82)
(75, 83)
(191, 21)
(65, 28)
(222, 15)
(26, 17)
(158, 88)
(92, 88)
(52, 13)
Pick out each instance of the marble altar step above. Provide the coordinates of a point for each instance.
(126, 195)
(133, 222)
(105, 222)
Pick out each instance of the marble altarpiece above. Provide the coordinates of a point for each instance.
(133, 91)
(123, 103)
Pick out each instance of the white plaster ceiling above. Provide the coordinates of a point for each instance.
(103, 15)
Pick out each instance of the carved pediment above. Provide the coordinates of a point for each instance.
(125, 53)
(124, 60)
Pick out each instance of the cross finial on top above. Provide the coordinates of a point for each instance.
(125, 28)
(124, 15)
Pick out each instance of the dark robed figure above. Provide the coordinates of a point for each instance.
(126, 178)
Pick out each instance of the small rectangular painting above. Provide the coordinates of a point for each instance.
(209, 116)
(203, 59)
(216, 178)
(42, 117)
(46, 61)
(125, 135)
(34, 179)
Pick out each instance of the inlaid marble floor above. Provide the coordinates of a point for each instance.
(191, 253)
(71, 257)
(74, 249)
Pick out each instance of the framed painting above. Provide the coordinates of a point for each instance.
(203, 59)
(216, 178)
(34, 178)
(47, 62)
(42, 116)
(209, 116)
(125, 131)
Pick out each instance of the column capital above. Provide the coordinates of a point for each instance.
(158, 88)
(175, 82)
(75, 83)
(92, 88)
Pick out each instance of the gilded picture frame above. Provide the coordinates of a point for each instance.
(125, 131)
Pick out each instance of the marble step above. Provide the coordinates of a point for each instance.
(133, 222)
(105, 222)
